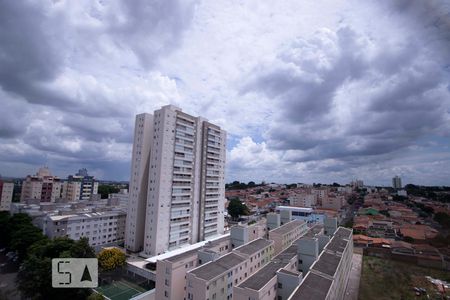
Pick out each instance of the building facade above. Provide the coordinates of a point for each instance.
(6, 194)
(397, 182)
(80, 186)
(42, 186)
(101, 228)
(177, 190)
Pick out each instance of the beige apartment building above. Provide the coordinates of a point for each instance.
(214, 270)
(177, 190)
(279, 278)
(321, 193)
(171, 272)
(328, 276)
(41, 186)
(242, 234)
(303, 200)
(216, 279)
(80, 186)
(334, 202)
(6, 194)
(286, 234)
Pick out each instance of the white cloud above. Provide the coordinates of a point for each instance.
(308, 91)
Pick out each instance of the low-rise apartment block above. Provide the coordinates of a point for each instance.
(328, 276)
(101, 228)
(171, 271)
(244, 233)
(99, 221)
(303, 200)
(279, 277)
(286, 234)
(320, 255)
(334, 202)
(216, 279)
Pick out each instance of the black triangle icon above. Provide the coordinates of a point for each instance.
(86, 275)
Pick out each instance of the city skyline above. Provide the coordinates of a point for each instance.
(345, 91)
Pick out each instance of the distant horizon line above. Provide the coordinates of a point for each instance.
(345, 184)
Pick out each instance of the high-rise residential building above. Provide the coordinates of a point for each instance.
(397, 182)
(80, 186)
(6, 194)
(177, 190)
(43, 186)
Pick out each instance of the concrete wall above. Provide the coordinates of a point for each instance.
(307, 253)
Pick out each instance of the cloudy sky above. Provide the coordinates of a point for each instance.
(308, 91)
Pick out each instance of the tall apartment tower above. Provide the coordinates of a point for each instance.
(397, 182)
(180, 176)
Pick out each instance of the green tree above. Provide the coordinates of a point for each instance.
(105, 189)
(110, 259)
(408, 239)
(23, 238)
(443, 219)
(17, 233)
(236, 208)
(4, 229)
(34, 277)
(95, 296)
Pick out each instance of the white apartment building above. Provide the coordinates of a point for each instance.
(101, 228)
(177, 190)
(397, 182)
(6, 194)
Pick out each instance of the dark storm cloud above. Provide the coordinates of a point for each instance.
(309, 73)
(29, 55)
(339, 97)
(151, 28)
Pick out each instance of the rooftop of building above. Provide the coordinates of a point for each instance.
(288, 227)
(182, 252)
(327, 263)
(218, 267)
(84, 215)
(317, 282)
(289, 272)
(313, 287)
(253, 246)
(293, 208)
(259, 279)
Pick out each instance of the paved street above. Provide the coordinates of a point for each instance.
(352, 291)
